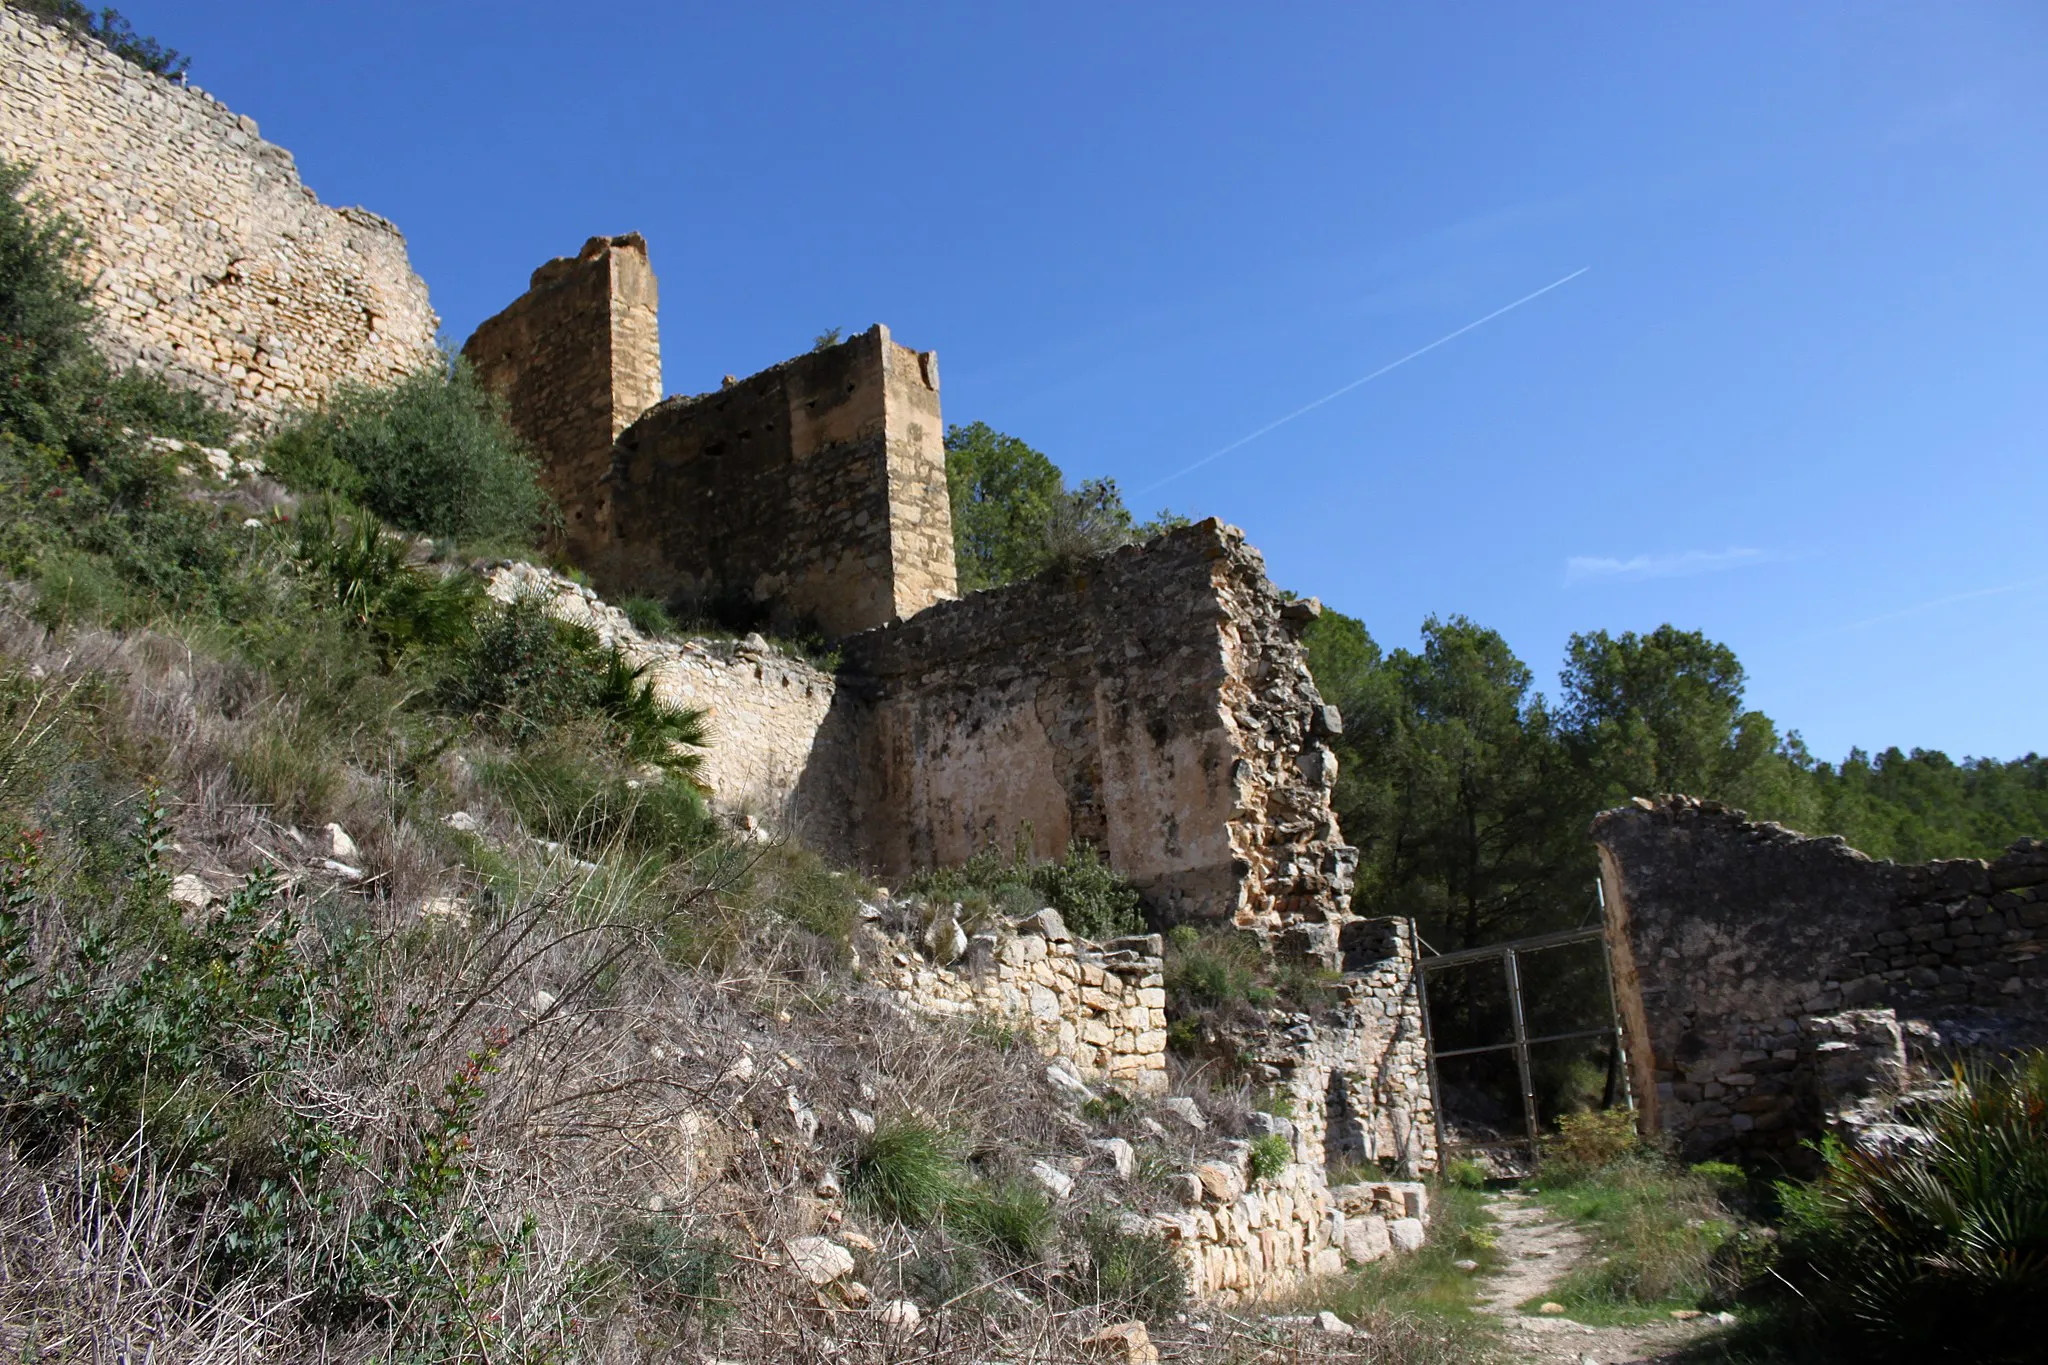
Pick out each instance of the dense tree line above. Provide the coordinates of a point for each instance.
(1466, 788)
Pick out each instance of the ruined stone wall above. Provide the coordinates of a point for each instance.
(1736, 943)
(1244, 1240)
(1153, 702)
(1100, 1006)
(1356, 1072)
(577, 358)
(814, 492)
(210, 259)
(762, 708)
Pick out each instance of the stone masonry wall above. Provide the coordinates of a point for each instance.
(763, 708)
(1100, 1006)
(814, 492)
(1743, 951)
(1243, 1240)
(1357, 1071)
(209, 258)
(577, 358)
(1153, 702)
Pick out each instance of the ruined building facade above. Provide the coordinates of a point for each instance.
(1154, 702)
(210, 260)
(813, 493)
(1767, 981)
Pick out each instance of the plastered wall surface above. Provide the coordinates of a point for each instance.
(210, 259)
(763, 709)
(1739, 945)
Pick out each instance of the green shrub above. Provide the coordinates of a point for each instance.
(907, 1170)
(430, 453)
(675, 1267)
(400, 606)
(1937, 1251)
(1011, 1218)
(1270, 1155)
(1093, 900)
(1130, 1272)
(1465, 1173)
(1588, 1142)
(1091, 897)
(648, 616)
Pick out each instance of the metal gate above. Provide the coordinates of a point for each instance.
(1520, 1040)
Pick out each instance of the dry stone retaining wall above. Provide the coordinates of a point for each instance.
(1749, 959)
(1100, 1006)
(1244, 1240)
(210, 259)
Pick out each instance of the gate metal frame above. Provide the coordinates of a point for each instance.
(1509, 954)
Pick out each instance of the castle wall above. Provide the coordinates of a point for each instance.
(814, 492)
(1153, 702)
(577, 358)
(1745, 953)
(209, 258)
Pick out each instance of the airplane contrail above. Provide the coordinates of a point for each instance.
(1366, 379)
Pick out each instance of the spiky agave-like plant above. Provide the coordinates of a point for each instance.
(1937, 1250)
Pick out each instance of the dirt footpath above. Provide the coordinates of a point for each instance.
(1537, 1250)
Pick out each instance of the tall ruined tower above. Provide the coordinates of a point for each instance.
(577, 357)
(811, 494)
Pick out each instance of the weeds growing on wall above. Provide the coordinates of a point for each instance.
(1220, 984)
(1093, 900)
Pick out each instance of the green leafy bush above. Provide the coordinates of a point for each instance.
(1093, 900)
(1270, 1155)
(1937, 1250)
(400, 606)
(431, 453)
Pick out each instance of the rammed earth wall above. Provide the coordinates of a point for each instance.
(1739, 945)
(210, 259)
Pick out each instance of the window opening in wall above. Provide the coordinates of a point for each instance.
(1520, 1033)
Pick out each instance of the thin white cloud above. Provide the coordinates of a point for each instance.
(1595, 569)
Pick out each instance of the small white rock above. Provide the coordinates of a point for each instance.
(1123, 1158)
(1057, 1182)
(901, 1314)
(462, 822)
(341, 869)
(819, 1259)
(339, 845)
(1333, 1324)
(187, 889)
(1187, 1111)
(543, 1001)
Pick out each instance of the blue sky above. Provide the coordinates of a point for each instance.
(1796, 400)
